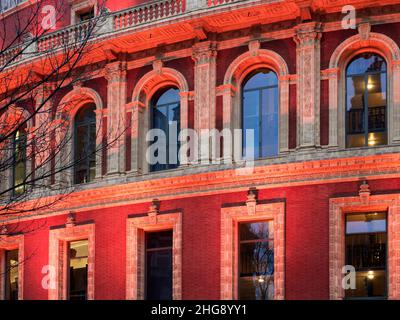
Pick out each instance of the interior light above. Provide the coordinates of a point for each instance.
(371, 275)
(372, 140)
(261, 279)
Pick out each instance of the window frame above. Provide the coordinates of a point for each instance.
(7, 243)
(245, 80)
(88, 126)
(23, 141)
(231, 216)
(137, 225)
(365, 75)
(386, 258)
(154, 105)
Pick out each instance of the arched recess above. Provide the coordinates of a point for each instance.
(231, 90)
(13, 118)
(64, 124)
(343, 54)
(143, 92)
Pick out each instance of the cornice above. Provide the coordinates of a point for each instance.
(224, 181)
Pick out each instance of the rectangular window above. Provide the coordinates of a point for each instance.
(159, 265)
(85, 15)
(9, 4)
(366, 251)
(256, 261)
(11, 274)
(78, 269)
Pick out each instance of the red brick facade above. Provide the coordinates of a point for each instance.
(305, 190)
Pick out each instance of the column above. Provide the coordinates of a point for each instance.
(307, 38)
(334, 139)
(138, 148)
(205, 55)
(116, 100)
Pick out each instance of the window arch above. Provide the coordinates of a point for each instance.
(260, 112)
(366, 101)
(85, 144)
(19, 161)
(165, 116)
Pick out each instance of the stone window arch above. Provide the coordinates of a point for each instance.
(364, 42)
(151, 83)
(247, 63)
(68, 108)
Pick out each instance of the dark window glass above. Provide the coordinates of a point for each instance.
(260, 113)
(11, 275)
(366, 101)
(256, 261)
(19, 161)
(85, 144)
(159, 265)
(366, 251)
(78, 269)
(166, 117)
(85, 15)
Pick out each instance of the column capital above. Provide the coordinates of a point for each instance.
(228, 89)
(307, 34)
(116, 71)
(203, 52)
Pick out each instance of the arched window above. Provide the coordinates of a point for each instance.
(366, 101)
(165, 116)
(85, 144)
(19, 162)
(260, 110)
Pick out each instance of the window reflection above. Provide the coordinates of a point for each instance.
(85, 144)
(78, 269)
(11, 275)
(366, 250)
(366, 101)
(260, 109)
(256, 261)
(19, 161)
(159, 265)
(166, 116)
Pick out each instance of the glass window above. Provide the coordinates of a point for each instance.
(366, 251)
(256, 261)
(19, 161)
(166, 116)
(85, 144)
(366, 101)
(159, 265)
(78, 269)
(9, 4)
(260, 113)
(11, 274)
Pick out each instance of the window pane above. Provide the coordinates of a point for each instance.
(367, 62)
(256, 261)
(366, 223)
(366, 101)
(269, 129)
(260, 113)
(159, 265)
(11, 275)
(78, 269)
(251, 118)
(166, 116)
(85, 144)
(366, 251)
(19, 169)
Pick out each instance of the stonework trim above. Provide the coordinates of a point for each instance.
(58, 258)
(376, 43)
(12, 243)
(135, 252)
(142, 94)
(230, 218)
(234, 77)
(338, 208)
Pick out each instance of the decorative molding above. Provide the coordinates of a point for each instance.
(376, 43)
(338, 208)
(12, 242)
(59, 240)
(252, 211)
(135, 250)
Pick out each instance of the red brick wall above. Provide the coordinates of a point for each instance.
(307, 269)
